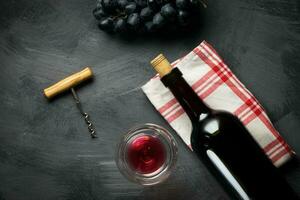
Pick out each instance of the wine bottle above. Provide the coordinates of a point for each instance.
(224, 145)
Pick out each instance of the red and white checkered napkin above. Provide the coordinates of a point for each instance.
(220, 89)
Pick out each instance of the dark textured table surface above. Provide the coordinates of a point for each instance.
(45, 149)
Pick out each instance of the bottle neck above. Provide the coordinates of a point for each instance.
(185, 95)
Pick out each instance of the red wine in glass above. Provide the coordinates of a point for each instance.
(147, 154)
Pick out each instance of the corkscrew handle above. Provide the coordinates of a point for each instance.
(68, 83)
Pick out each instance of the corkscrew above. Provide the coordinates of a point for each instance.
(69, 83)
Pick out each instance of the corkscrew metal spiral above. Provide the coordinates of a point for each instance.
(84, 114)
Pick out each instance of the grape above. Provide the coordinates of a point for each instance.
(183, 4)
(183, 18)
(133, 21)
(152, 4)
(150, 27)
(166, 1)
(120, 25)
(122, 3)
(158, 20)
(146, 14)
(168, 11)
(130, 8)
(195, 4)
(109, 5)
(99, 13)
(106, 24)
(99, 4)
(160, 2)
(141, 3)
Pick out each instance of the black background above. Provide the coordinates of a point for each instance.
(45, 149)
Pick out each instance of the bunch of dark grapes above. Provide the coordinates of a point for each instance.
(146, 16)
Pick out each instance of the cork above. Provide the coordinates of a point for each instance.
(161, 65)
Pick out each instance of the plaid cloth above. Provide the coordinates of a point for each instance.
(220, 89)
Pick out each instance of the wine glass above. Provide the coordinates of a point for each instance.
(147, 154)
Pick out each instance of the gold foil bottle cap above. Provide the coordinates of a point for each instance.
(161, 65)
